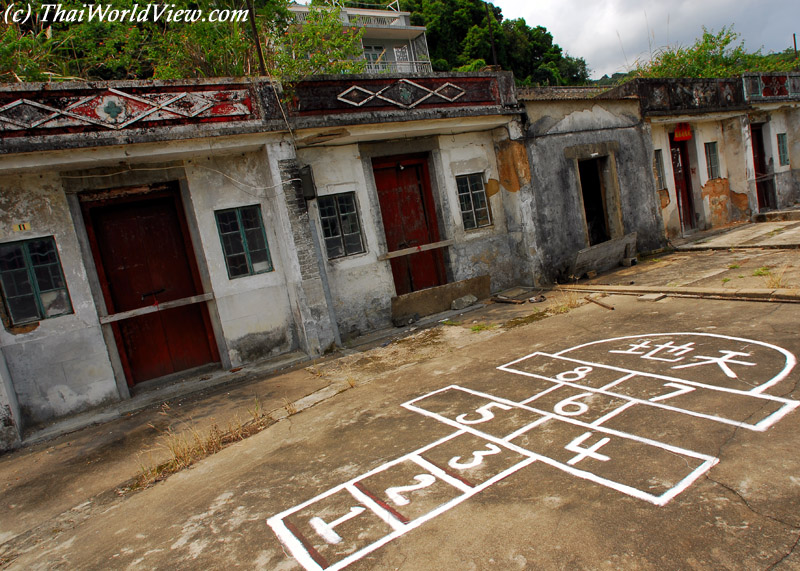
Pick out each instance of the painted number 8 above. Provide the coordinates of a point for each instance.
(575, 374)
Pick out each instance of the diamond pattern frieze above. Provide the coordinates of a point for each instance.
(116, 109)
(403, 93)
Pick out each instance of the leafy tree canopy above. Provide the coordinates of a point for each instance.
(460, 39)
(718, 54)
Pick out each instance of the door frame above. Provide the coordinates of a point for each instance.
(90, 199)
(429, 204)
(682, 147)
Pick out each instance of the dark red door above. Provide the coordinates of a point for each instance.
(409, 220)
(765, 186)
(144, 258)
(683, 182)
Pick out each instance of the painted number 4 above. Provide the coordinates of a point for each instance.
(590, 452)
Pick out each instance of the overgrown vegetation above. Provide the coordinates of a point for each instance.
(720, 54)
(44, 50)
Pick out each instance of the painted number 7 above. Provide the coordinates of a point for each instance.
(485, 413)
(682, 390)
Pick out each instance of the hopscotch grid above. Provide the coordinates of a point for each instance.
(761, 426)
(684, 483)
(355, 556)
(791, 360)
(303, 550)
(644, 374)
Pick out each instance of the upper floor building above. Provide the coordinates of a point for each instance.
(390, 43)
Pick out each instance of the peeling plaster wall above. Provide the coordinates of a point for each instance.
(735, 149)
(558, 218)
(361, 286)
(486, 250)
(785, 190)
(793, 133)
(667, 197)
(254, 311)
(60, 366)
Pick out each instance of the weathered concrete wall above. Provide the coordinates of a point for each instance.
(735, 149)
(60, 365)
(254, 311)
(793, 131)
(560, 133)
(668, 201)
(9, 409)
(785, 191)
(479, 251)
(361, 286)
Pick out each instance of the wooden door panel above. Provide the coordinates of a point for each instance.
(145, 261)
(409, 220)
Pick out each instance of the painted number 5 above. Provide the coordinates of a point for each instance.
(484, 413)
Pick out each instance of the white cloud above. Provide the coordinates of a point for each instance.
(612, 34)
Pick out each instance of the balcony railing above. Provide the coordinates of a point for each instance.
(399, 67)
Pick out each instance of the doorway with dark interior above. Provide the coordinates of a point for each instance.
(595, 207)
(683, 182)
(765, 181)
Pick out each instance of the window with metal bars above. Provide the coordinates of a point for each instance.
(244, 242)
(712, 160)
(658, 169)
(472, 198)
(341, 229)
(32, 281)
(783, 149)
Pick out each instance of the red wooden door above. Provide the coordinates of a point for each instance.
(409, 220)
(683, 182)
(144, 259)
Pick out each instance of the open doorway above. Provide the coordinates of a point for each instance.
(683, 182)
(595, 205)
(765, 181)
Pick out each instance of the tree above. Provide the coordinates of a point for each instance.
(712, 55)
(459, 38)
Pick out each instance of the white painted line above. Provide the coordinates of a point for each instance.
(544, 392)
(376, 508)
(613, 413)
(761, 426)
(528, 427)
(618, 381)
(791, 360)
(441, 474)
(295, 547)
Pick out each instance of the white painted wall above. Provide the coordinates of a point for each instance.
(254, 311)
(62, 366)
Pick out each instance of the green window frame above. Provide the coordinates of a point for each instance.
(475, 211)
(712, 160)
(783, 149)
(658, 169)
(341, 229)
(244, 241)
(32, 281)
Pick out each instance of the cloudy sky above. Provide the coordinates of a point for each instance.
(611, 35)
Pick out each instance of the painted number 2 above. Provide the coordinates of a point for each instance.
(396, 494)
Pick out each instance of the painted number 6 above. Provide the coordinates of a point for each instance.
(575, 408)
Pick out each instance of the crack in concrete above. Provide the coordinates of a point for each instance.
(786, 556)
